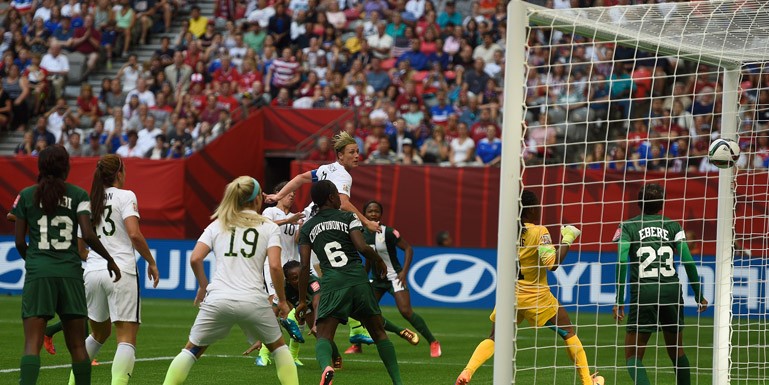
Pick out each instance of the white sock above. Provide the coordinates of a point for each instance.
(284, 364)
(123, 363)
(92, 346)
(180, 367)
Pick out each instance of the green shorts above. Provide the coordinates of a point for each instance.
(45, 297)
(667, 316)
(355, 301)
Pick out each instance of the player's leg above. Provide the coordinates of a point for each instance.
(641, 323)
(561, 324)
(384, 346)
(211, 324)
(403, 302)
(258, 322)
(125, 355)
(326, 328)
(672, 321)
(50, 331)
(297, 338)
(34, 329)
(635, 348)
(73, 312)
(482, 353)
(182, 364)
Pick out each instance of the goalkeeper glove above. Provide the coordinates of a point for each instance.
(569, 234)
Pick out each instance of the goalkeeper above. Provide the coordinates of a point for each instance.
(536, 303)
(646, 247)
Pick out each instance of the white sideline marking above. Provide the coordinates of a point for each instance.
(169, 358)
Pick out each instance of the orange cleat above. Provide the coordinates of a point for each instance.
(48, 344)
(354, 349)
(435, 349)
(327, 378)
(410, 336)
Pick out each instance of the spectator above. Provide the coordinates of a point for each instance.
(435, 149)
(476, 78)
(414, 117)
(87, 41)
(261, 15)
(479, 128)
(381, 43)
(87, 107)
(130, 149)
(205, 136)
(37, 37)
(415, 57)
(45, 10)
(439, 113)
(396, 28)
(449, 16)
(42, 133)
(198, 23)
(159, 150)
(443, 239)
(376, 77)
(40, 145)
(147, 135)
(178, 151)
(489, 151)
(125, 18)
(409, 156)
(255, 36)
(55, 119)
(322, 152)
(73, 146)
(383, 154)
(486, 51)
(181, 135)
(6, 107)
(128, 75)
(94, 148)
(226, 73)
(27, 146)
(400, 135)
(144, 95)
(284, 72)
(280, 26)
(461, 148)
(179, 74)
(57, 67)
(165, 53)
(225, 101)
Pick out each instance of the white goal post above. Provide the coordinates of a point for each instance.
(728, 34)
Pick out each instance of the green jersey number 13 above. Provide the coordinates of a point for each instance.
(61, 242)
(647, 255)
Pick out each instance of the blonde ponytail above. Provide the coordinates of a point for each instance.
(237, 195)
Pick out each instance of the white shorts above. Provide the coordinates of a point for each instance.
(216, 318)
(115, 301)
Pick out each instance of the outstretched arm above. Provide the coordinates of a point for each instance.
(291, 186)
(691, 273)
(199, 253)
(304, 279)
(349, 207)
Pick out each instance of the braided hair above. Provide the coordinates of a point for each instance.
(53, 164)
(320, 193)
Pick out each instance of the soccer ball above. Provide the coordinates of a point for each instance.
(723, 153)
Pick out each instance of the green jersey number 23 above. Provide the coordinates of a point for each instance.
(647, 255)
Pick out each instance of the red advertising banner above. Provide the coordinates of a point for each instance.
(285, 128)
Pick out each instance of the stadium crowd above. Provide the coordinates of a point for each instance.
(424, 78)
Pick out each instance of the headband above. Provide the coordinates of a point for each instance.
(256, 191)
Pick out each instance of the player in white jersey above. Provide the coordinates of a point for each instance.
(288, 223)
(116, 221)
(347, 155)
(242, 241)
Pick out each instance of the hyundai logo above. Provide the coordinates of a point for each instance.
(11, 271)
(437, 276)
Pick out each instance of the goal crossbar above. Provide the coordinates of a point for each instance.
(723, 33)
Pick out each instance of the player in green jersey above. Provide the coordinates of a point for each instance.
(53, 210)
(647, 244)
(385, 243)
(336, 237)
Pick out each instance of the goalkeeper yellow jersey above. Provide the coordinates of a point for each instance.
(536, 255)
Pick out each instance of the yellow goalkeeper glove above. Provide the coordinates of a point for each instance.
(569, 234)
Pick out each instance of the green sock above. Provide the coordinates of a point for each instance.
(323, 351)
(334, 350)
(50, 330)
(387, 354)
(390, 326)
(30, 369)
(419, 323)
(82, 372)
(637, 371)
(683, 373)
(293, 347)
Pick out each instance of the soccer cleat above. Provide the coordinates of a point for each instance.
(354, 349)
(361, 339)
(48, 344)
(95, 363)
(327, 378)
(293, 329)
(297, 362)
(598, 380)
(410, 336)
(338, 362)
(261, 361)
(435, 349)
(464, 377)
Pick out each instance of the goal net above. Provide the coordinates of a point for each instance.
(615, 98)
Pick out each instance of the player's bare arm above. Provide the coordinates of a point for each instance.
(278, 280)
(408, 252)
(140, 244)
(199, 253)
(360, 244)
(304, 279)
(349, 207)
(291, 186)
(94, 243)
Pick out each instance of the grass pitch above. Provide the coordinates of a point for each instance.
(541, 357)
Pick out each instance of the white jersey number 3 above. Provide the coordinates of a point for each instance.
(336, 257)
